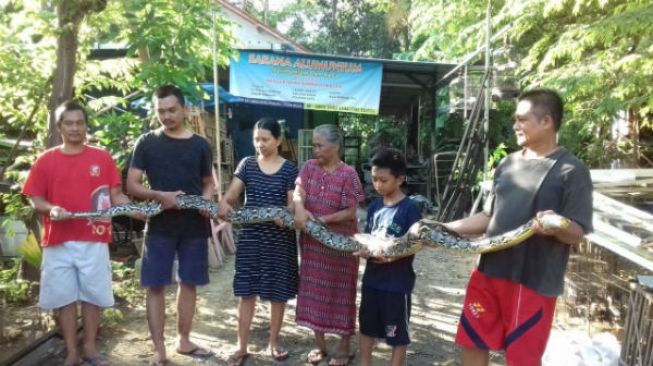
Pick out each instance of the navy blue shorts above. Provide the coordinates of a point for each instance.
(192, 255)
(385, 315)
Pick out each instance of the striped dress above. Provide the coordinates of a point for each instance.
(326, 301)
(266, 255)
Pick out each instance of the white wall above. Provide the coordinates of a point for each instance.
(250, 35)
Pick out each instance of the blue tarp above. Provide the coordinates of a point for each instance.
(223, 95)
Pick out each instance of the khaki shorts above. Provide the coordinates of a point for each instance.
(76, 271)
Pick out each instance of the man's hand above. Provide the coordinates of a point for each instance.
(59, 213)
(168, 199)
(538, 226)
(205, 213)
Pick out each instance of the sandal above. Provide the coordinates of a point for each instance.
(197, 352)
(99, 360)
(237, 359)
(316, 356)
(279, 354)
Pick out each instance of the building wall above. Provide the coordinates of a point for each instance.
(250, 35)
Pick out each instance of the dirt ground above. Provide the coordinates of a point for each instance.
(437, 299)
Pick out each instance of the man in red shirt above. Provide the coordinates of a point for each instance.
(68, 178)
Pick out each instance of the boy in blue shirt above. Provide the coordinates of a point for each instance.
(387, 284)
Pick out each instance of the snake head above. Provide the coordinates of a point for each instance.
(375, 244)
(554, 222)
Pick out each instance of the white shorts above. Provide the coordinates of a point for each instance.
(76, 271)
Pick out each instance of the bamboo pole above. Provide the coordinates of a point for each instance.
(216, 99)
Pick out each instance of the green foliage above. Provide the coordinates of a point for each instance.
(111, 317)
(26, 64)
(125, 283)
(12, 289)
(118, 132)
(375, 132)
(167, 42)
(31, 252)
(496, 156)
(596, 53)
(357, 28)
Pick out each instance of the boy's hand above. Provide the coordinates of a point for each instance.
(381, 259)
(363, 252)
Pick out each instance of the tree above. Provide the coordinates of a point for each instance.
(70, 14)
(166, 42)
(597, 53)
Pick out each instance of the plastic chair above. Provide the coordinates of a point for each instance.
(221, 232)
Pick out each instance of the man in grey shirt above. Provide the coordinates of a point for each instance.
(511, 295)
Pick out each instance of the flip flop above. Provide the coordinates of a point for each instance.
(237, 360)
(279, 354)
(99, 360)
(315, 356)
(341, 361)
(197, 352)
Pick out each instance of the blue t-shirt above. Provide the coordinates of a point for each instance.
(393, 221)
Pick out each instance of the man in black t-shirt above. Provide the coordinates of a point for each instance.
(511, 295)
(175, 161)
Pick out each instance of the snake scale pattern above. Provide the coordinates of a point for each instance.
(423, 233)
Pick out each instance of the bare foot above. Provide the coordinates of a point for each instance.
(158, 360)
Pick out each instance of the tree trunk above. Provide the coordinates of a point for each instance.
(62, 87)
(70, 14)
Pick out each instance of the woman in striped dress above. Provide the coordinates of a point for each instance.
(266, 256)
(327, 190)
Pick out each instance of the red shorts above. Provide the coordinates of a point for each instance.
(502, 314)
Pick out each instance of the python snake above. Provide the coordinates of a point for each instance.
(423, 233)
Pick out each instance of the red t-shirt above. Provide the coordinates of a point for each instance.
(78, 182)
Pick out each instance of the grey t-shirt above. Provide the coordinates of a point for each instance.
(522, 187)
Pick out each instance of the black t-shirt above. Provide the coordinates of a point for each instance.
(522, 187)
(172, 164)
(391, 221)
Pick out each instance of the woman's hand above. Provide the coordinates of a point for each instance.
(224, 210)
(302, 215)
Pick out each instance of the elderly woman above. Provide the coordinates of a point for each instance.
(329, 191)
